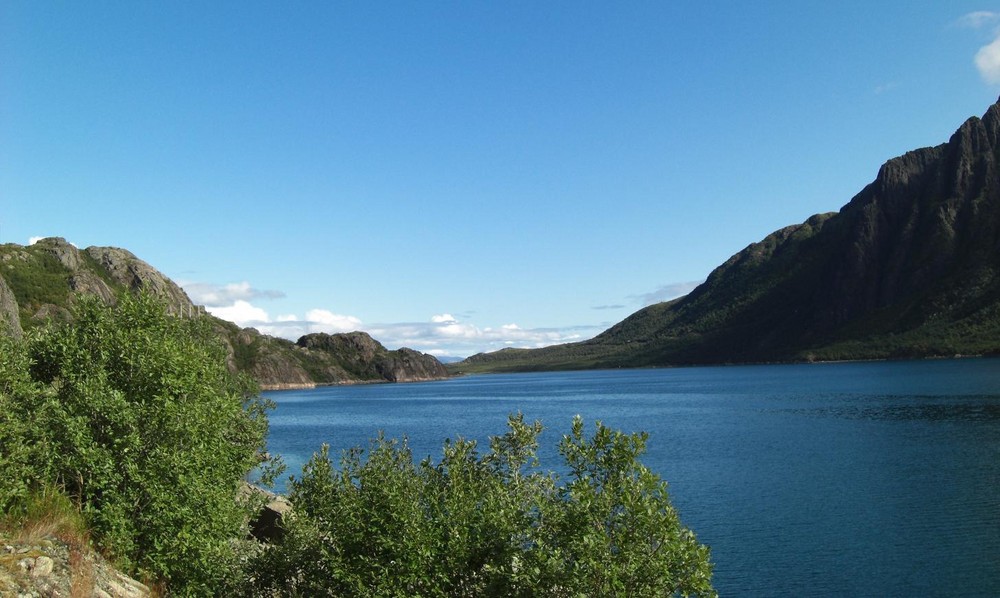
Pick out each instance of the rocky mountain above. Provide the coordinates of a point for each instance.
(910, 267)
(40, 282)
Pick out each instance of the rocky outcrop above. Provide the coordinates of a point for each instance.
(49, 274)
(51, 567)
(267, 526)
(132, 273)
(10, 318)
(273, 362)
(337, 358)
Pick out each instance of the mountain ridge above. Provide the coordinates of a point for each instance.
(39, 284)
(909, 267)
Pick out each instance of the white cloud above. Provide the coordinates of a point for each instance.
(449, 337)
(241, 313)
(323, 320)
(443, 335)
(987, 59)
(988, 62)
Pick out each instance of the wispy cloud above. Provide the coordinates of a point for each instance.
(886, 87)
(604, 307)
(214, 295)
(987, 59)
(667, 292)
(978, 19)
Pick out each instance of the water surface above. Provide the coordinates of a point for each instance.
(862, 479)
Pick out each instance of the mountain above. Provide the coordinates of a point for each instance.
(910, 267)
(40, 282)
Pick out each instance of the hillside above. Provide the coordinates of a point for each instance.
(40, 282)
(910, 267)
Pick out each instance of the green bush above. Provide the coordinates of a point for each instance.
(25, 457)
(490, 525)
(133, 413)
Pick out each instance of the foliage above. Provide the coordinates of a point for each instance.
(490, 525)
(25, 454)
(133, 413)
(36, 279)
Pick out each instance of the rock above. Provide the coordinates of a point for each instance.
(50, 567)
(129, 271)
(89, 283)
(362, 358)
(42, 567)
(10, 317)
(266, 527)
(123, 586)
(67, 253)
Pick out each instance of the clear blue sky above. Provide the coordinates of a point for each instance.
(462, 176)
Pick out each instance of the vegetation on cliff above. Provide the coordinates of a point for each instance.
(910, 267)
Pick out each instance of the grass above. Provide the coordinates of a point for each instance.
(44, 515)
(49, 515)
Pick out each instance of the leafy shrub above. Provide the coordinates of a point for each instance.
(490, 525)
(133, 413)
(24, 456)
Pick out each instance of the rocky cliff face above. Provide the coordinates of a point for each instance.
(45, 277)
(323, 359)
(132, 273)
(909, 267)
(10, 318)
(357, 355)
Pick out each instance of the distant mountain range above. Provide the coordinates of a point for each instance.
(910, 267)
(38, 284)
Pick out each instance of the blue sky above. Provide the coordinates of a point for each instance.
(459, 177)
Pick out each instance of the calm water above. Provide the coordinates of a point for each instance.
(861, 479)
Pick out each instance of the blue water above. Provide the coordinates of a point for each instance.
(849, 479)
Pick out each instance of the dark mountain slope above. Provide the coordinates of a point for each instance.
(910, 267)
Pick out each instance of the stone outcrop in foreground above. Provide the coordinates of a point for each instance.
(50, 567)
